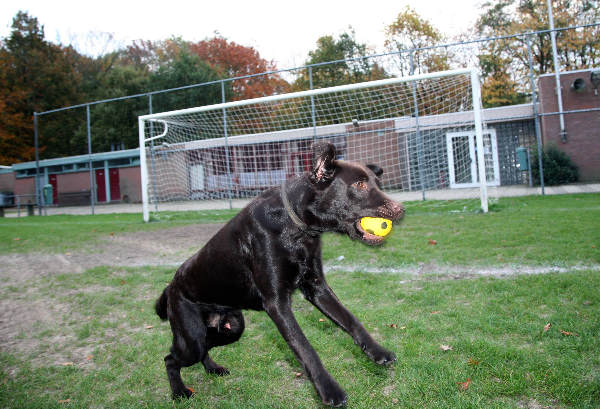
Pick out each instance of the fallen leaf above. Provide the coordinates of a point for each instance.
(463, 386)
(65, 400)
(298, 374)
(435, 312)
(123, 282)
(472, 362)
(568, 334)
(17, 239)
(89, 357)
(67, 364)
(321, 319)
(112, 233)
(149, 326)
(432, 242)
(446, 347)
(547, 327)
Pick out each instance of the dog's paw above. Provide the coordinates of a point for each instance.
(380, 355)
(183, 393)
(332, 394)
(218, 370)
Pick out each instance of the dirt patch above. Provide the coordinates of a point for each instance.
(162, 247)
(29, 324)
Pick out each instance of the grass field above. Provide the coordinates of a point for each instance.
(475, 335)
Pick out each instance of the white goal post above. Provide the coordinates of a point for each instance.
(237, 149)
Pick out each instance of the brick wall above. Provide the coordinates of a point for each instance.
(582, 129)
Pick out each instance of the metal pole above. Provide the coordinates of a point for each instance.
(538, 132)
(312, 105)
(38, 195)
(229, 179)
(152, 164)
(418, 128)
(89, 141)
(563, 132)
(476, 89)
(143, 170)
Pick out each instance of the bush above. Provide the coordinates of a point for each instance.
(558, 167)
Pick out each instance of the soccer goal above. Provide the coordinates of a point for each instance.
(425, 131)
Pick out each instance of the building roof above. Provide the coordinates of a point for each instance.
(127, 153)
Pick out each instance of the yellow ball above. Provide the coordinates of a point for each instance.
(376, 225)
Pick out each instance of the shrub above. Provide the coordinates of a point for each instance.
(558, 167)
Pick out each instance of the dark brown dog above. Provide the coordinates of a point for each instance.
(266, 252)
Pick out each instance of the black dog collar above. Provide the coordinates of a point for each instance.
(297, 221)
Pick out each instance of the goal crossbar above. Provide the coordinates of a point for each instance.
(160, 119)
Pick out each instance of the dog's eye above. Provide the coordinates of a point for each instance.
(361, 185)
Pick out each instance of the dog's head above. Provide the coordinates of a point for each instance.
(346, 192)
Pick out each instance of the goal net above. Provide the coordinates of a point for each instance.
(425, 131)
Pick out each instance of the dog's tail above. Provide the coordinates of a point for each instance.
(161, 305)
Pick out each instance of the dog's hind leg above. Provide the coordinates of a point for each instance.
(189, 342)
(222, 329)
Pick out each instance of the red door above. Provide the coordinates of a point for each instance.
(100, 186)
(52, 179)
(114, 181)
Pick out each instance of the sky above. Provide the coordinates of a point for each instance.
(280, 31)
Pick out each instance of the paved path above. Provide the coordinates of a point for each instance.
(445, 194)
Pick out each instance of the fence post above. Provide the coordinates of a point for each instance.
(538, 133)
(312, 105)
(37, 185)
(152, 164)
(89, 141)
(418, 129)
(229, 179)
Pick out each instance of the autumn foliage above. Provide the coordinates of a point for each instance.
(233, 60)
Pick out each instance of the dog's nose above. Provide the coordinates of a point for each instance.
(397, 209)
(392, 210)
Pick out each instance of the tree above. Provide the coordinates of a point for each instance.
(498, 88)
(35, 76)
(231, 60)
(576, 48)
(411, 32)
(350, 67)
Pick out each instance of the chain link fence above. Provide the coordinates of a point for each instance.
(521, 129)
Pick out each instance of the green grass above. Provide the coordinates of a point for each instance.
(98, 322)
(536, 230)
(494, 326)
(67, 232)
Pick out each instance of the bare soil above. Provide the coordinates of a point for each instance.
(24, 312)
(161, 247)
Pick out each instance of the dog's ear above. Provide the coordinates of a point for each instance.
(323, 161)
(376, 169)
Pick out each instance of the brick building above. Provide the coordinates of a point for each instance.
(581, 138)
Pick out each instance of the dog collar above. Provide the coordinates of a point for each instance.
(297, 221)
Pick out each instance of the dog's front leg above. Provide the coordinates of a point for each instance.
(328, 389)
(317, 291)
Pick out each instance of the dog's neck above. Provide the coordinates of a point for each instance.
(295, 218)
